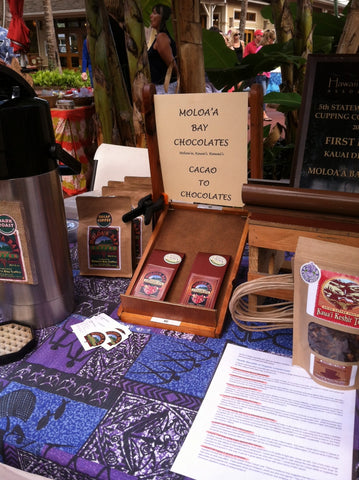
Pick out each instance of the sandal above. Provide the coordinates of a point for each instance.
(266, 118)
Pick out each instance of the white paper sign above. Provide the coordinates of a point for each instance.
(263, 419)
(202, 140)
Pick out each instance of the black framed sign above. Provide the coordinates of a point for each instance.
(327, 147)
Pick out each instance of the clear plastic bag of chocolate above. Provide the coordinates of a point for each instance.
(326, 312)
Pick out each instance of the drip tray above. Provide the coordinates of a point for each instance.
(16, 339)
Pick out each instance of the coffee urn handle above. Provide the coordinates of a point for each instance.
(71, 165)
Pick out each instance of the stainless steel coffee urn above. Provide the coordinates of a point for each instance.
(36, 282)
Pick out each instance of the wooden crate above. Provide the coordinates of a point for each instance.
(271, 233)
(223, 232)
(190, 229)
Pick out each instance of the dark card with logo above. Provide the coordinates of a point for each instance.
(157, 274)
(205, 279)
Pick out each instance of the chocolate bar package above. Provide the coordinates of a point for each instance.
(205, 279)
(157, 275)
(326, 312)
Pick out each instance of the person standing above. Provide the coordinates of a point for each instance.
(236, 44)
(162, 52)
(252, 46)
(86, 60)
(6, 50)
(269, 37)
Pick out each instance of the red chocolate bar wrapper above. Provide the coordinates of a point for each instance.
(157, 274)
(205, 279)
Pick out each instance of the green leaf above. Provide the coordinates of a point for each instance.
(224, 71)
(53, 78)
(215, 51)
(323, 44)
(327, 28)
(325, 23)
(327, 32)
(267, 13)
(286, 101)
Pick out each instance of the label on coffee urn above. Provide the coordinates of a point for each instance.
(14, 258)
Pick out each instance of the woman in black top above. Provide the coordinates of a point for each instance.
(235, 43)
(163, 50)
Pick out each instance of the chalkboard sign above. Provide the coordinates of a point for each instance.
(327, 148)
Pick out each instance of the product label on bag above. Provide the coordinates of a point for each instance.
(11, 259)
(335, 298)
(326, 312)
(334, 347)
(15, 264)
(104, 247)
(104, 243)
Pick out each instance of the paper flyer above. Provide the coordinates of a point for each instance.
(100, 331)
(263, 418)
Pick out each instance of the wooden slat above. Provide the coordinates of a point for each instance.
(281, 238)
(271, 293)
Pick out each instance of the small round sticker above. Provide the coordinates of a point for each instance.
(217, 260)
(104, 219)
(7, 225)
(310, 272)
(172, 258)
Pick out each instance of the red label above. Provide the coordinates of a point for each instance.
(337, 299)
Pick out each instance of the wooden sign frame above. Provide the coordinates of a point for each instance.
(326, 155)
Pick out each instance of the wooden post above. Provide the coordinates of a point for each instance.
(149, 91)
(188, 33)
(256, 130)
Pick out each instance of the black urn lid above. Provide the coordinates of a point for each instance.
(26, 132)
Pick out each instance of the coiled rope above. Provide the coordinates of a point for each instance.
(263, 317)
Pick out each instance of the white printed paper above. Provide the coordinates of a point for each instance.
(263, 419)
(100, 331)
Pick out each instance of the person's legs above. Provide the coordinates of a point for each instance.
(263, 80)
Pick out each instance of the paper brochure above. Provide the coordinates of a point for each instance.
(262, 419)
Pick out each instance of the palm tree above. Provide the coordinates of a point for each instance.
(243, 18)
(188, 35)
(52, 48)
(112, 100)
(127, 23)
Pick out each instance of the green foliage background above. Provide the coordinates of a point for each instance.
(53, 78)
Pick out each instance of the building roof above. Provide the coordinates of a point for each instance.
(70, 8)
(35, 8)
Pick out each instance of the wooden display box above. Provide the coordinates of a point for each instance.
(278, 216)
(189, 228)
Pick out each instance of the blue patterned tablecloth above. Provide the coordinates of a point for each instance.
(66, 413)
